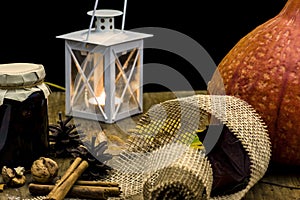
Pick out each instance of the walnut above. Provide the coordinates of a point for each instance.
(18, 181)
(7, 174)
(44, 170)
(19, 171)
(13, 177)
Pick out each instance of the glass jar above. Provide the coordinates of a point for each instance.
(23, 114)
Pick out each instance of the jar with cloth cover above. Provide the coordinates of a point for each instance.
(23, 114)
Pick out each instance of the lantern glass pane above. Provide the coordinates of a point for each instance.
(128, 80)
(87, 82)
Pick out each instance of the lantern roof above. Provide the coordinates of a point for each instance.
(105, 38)
(104, 32)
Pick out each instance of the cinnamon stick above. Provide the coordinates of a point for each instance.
(97, 183)
(69, 171)
(60, 190)
(78, 191)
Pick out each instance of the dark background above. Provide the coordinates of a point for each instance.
(29, 28)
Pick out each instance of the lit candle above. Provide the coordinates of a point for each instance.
(101, 100)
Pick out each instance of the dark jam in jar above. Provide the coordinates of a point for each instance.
(23, 130)
(23, 114)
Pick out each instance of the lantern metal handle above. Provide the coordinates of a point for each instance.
(93, 16)
(92, 20)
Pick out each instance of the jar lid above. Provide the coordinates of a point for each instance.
(21, 74)
(19, 80)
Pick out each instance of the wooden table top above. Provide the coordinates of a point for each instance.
(279, 183)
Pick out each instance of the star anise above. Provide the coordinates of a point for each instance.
(64, 137)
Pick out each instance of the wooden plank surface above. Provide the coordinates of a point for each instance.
(279, 183)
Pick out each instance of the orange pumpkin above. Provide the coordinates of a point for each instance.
(263, 68)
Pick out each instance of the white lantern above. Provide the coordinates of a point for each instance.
(104, 68)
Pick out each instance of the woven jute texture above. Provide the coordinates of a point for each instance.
(159, 162)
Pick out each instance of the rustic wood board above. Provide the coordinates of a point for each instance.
(279, 183)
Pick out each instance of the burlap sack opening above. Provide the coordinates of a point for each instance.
(159, 162)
